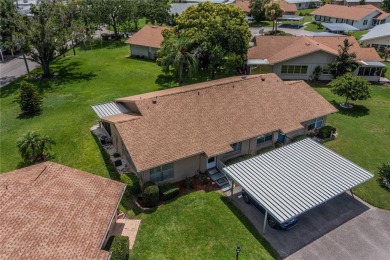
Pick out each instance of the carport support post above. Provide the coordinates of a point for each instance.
(265, 220)
(350, 190)
(231, 190)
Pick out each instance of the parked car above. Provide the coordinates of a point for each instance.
(272, 222)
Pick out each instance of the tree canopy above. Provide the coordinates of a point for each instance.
(220, 36)
(33, 147)
(273, 12)
(386, 6)
(258, 9)
(345, 62)
(351, 87)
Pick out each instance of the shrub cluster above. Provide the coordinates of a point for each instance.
(132, 182)
(169, 191)
(189, 183)
(119, 247)
(29, 99)
(151, 194)
(326, 131)
(384, 175)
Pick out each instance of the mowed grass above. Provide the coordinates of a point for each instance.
(90, 78)
(199, 225)
(364, 138)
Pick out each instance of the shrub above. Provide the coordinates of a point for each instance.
(169, 191)
(116, 155)
(132, 182)
(119, 247)
(29, 100)
(203, 179)
(189, 183)
(326, 131)
(147, 184)
(151, 196)
(384, 175)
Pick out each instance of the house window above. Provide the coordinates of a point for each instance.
(161, 173)
(236, 146)
(365, 22)
(325, 70)
(294, 69)
(264, 138)
(316, 123)
(369, 71)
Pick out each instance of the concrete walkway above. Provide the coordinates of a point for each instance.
(128, 228)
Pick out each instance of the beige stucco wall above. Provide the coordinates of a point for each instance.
(143, 51)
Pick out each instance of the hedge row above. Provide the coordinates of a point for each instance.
(169, 191)
(119, 247)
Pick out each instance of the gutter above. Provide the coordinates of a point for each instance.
(112, 217)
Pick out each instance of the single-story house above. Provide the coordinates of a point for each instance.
(289, 9)
(296, 57)
(146, 42)
(304, 4)
(171, 134)
(378, 37)
(179, 8)
(51, 211)
(376, 3)
(362, 16)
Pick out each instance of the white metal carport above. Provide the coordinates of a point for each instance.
(293, 179)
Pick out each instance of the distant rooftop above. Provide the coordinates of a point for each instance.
(378, 31)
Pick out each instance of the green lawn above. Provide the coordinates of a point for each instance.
(364, 138)
(314, 28)
(89, 78)
(199, 225)
(358, 34)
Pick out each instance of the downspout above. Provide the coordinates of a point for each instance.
(112, 217)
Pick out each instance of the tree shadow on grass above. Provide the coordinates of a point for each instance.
(250, 227)
(356, 111)
(166, 81)
(97, 44)
(27, 116)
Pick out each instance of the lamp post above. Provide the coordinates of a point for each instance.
(238, 249)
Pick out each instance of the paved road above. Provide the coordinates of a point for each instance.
(13, 68)
(342, 228)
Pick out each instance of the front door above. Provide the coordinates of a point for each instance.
(281, 138)
(211, 162)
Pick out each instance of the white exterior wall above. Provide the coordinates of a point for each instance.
(305, 5)
(143, 51)
(369, 18)
(311, 60)
(381, 41)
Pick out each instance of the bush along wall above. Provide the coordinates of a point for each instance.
(169, 191)
(132, 182)
(151, 194)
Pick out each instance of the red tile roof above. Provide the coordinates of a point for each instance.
(347, 12)
(243, 5)
(280, 48)
(50, 211)
(210, 116)
(149, 35)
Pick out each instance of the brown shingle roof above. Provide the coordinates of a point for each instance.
(346, 12)
(149, 35)
(209, 116)
(288, 8)
(243, 5)
(50, 211)
(280, 48)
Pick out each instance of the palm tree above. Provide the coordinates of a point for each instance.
(273, 12)
(176, 53)
(32, 146)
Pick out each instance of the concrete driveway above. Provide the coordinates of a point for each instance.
(342, 228)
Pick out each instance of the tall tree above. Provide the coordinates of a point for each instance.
(46, 31)
(176, 54)
(220, 32)
(33, 147)
(351, 87)
(156, 11)
(345, 62)
(386, 6)
(273, 12)
(258, 9)
(8, 18)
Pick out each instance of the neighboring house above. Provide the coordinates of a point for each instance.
(362, 16)
(51, 211)
(171, 134)
(378, 37)
(146, 42)
(304, 4)
(296, 57)
(179, 8)
(376, 3)
(289, 9)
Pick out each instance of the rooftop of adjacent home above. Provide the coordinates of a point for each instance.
(149, 35)
(382, 30)
(206, 118)
(276, 49)
(354, 13)
(51, 211)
